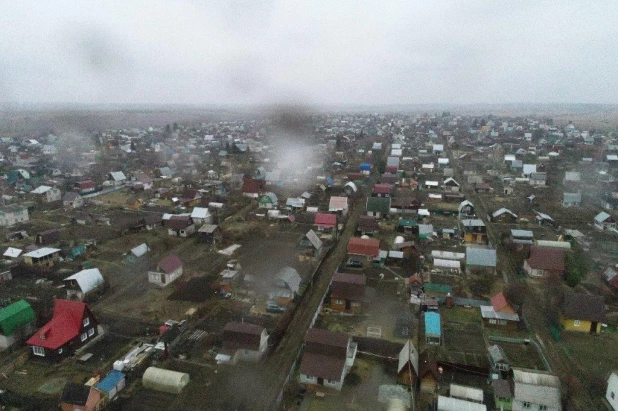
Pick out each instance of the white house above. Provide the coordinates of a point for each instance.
(13, 214)
(611, 395)
(168, 270)
(536, 390)
(201, 215)
(72, 199)
(327, 358)
(117, 178)
(47, 194)
(80, 284)
(604, 221)
(242, 342)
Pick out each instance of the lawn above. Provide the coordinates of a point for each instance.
(592, 352)
(462, 315)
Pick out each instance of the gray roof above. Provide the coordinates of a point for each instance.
(289, 278)
(497, 354)
(503, 211)
(313, 239)
(602, 216)
(537, 387)
(522, 233)
(571, 197)
(408, 353)
(473, 223)
(88, 279)
(483, 257)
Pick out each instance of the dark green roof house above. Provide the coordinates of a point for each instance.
(17, 321)
(378, 207)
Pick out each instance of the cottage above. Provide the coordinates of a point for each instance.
(367, 248)
(378, 207)
(71, 199)
(499, 363)
(604, 221)
(12, 253)
(500, 314)
(85, 187)
(450, 185)
(47, 194)
(17, 322)
(610, 276)
(538, 179)
(81, 397)
(325, 222)
(117, 178)
(72, 326)
(465, 210)
(582, 312)
(524, 237)
(268, 201)
(428, 372)
(252, 187)
(85, 282)
(201, 215)
(210, 234)
(503, 215)
(180, 226)
(13, 214)
(338, 205)
(407, 366)
(143, 181)
(536, 390)
(474, 231)
(571, 199)
(544, 261)
(43, 256)
(433, 330)
(503, 394)
(289, 280)
(347, 292)
(327, 358)
(367, 225)
(48, 237)
(456, 404)
(168, 270)
(382, 190)
(479, 260)
(242, 342)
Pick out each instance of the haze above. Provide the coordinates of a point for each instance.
(252, 52)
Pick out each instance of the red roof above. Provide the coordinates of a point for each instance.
(326, 220)
(86, 184)
(382, 188)
(364, 246)
(551, 259)
(63, 327)
(500, 303)
(170, 264)
(252, 186)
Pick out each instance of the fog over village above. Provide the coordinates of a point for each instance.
(269, 205)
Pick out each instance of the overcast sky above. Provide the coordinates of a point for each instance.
(310, 52)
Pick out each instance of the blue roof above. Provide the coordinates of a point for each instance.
(110, 381)
(432, 323)
(365, 166)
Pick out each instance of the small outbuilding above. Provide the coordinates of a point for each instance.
(160, 379)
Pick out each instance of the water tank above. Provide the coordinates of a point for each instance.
(399, 239)
(159, 379)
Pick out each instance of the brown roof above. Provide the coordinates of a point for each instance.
(364, 246)
(169, 264)
(427, 365)
(178, 222)
(584, 307)
(367, 223)
(325, 354)
(348, 286)
(252, 186)
(546, 258)
(241, 336)
(322, 366)
(502, 388)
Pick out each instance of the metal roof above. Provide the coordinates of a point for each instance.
(88, 279)
(480, 257)
(42, 252)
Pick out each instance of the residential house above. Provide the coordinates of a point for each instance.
(287, 283)
(382, 190)
(604, 221)
(528, 169)
(474, 231)
(407, 366)
(363, 248)
(466, 210)
(500, 314)
(210, 234)
(503, 215)
(17, 322)
(544, 261)
(72, 326)
(12, 253)
(48, 237)
(47, 194)
(451, 186)
(524, 237)
(242, 342)
(480, 260)
(72, 199)
(82, 283)
(367, 225)
(572, 177)
(268, 201)
(611, 394)
(81, 397)
(133, 203)
(582, 312)
(538, 179)
(13, 214)
(498, 362)
(503, 394)
(85, 187)
(143, 181)
(378, 207)
(180, 226)
(347, 292)
(338, 205)
(328, 356)
(117, 178)
(433, 329)
(325, 222)
(252, 187)
(45, 256)
(168, 270)
(571, 199)
(428, 372)
(201, 215)
(536, 390)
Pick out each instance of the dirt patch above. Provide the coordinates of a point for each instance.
(196, 290)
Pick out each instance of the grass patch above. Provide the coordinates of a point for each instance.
(458, 314)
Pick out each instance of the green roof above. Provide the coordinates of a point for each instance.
(438, 288)
(407, 222)
(379, 204)
(15, 315)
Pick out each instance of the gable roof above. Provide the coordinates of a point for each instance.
(313, 239)
(42, 252)
(65, 325)
(382, 188)
(169, 264)
(14, 316)
(503, 211)
(237, 335)
(544, 258)
(364, 246)
(408, 354)
(74, 393)
(537, 387)
(348, 286)
(117, 175)
(379, 204)
(252, 185)
(290, 277)
(140, 250)
(584, 307)
(325, 354)
(602, 217)
(499, 302)
(12, 252)
(483, 257)
(88, 279)
(338, 203)
(326, 220)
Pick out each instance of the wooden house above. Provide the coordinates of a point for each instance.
(168, 270)
(347, 292)
(582, 312)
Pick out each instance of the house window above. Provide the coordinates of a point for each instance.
(338, 301)
(613, 395)
(526, 405)
(492, 321)
(86, 321)
(577, 323)
(84, 337)
(91, 332)
(40, 351)
(60, 351)
(542, 407)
